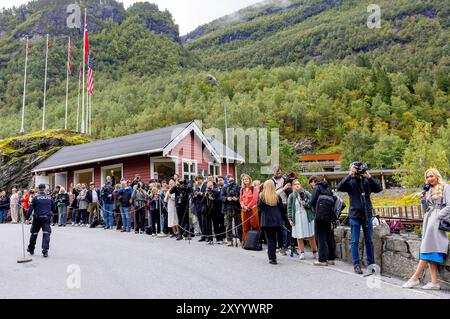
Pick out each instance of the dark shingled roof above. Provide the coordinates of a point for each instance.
(113, 148)
(124, 146)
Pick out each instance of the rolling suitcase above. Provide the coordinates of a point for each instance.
(253, 241)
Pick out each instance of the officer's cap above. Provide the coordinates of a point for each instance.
(42, 186)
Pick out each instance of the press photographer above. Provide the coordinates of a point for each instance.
(232, 209)
(359, 185)
(199, 204)
(182, 191)
(212, 210)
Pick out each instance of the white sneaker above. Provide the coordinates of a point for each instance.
(73, 224)
(411, 284)
(431, 286)
(315, 255)
(302, 256)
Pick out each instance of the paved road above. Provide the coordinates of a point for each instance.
(115, 265)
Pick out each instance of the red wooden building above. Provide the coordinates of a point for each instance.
(181, 149)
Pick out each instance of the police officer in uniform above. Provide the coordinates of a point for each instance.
(42, 207)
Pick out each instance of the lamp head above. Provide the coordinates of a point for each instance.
(212, 80)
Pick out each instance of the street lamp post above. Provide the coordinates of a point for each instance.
(215, 83)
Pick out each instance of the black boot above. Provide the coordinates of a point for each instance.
(358, 270)
(45, 254)
(30, 251)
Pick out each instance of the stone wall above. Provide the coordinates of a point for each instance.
(397, 255)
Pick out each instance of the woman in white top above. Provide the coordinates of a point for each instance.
(171, 209)
(14, 205)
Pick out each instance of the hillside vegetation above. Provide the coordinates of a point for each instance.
(311, 68)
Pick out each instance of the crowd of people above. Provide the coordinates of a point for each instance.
(225, 211)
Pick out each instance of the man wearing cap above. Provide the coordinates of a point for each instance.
(42, 206)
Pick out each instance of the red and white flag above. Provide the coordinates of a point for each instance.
(90, 76)
(70, 54)
(86, 40)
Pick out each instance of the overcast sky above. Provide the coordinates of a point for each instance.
(188, 14)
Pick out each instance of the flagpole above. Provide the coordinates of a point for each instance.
(87, 113)
(67, 84)
(84, 70)
(90, 114)
(78, 98)
(45, 86)
(22, 127)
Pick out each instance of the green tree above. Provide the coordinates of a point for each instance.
(423, 151)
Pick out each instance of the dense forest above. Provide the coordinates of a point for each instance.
(312, 68)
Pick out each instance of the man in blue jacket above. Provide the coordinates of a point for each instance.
(359, 185)
(124, 196)
(107, 208)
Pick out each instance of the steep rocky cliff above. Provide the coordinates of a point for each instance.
(20, 154)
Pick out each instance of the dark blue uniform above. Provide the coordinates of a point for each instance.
(43, 206)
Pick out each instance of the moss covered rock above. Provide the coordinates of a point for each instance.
(20, 154)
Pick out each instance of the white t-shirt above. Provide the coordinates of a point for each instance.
(94, 196)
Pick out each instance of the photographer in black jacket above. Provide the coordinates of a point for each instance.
(359, 184)
(232, 209)
(323, 225)
(198, 199)
(212, 210)
(182, 191)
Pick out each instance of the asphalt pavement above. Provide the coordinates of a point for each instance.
(98, 264)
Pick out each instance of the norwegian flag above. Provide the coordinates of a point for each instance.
(90, 76)
(86, 40)
(28, 51)
(70, 53)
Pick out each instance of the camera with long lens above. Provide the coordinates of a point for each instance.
(302, 196)
(232, 193)
(361, 168)
(209, 194)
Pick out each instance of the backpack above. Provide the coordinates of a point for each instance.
(325, 208)
(339, 206)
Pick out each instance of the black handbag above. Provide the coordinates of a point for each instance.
(444, 225)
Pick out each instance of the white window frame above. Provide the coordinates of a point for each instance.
(109, 167)
(89, 170)
(216, 165)
(162, 159)
(191, 176)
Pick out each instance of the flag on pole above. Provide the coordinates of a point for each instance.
(80, 76)
(70, 65)
(86, 40)
(27, 57)
(90, 76)
(28, 52)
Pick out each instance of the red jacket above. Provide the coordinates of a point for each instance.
(25, 201)
(249, 197)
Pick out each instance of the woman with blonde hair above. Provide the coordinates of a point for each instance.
(271, 208)
(435, 202)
